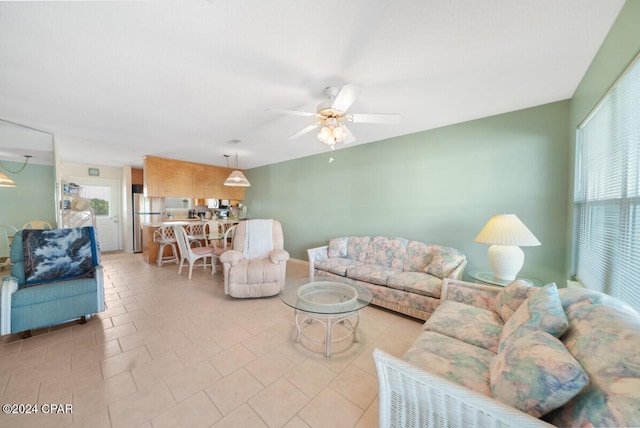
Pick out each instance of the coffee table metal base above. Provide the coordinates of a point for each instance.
(329, 321)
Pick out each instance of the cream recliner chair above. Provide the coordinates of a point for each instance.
(256, 265)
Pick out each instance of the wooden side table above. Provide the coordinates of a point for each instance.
(486, 277)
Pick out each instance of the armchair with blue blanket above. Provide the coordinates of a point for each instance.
(55, 277)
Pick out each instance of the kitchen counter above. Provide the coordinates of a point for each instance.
(171, 222)
(150, 249)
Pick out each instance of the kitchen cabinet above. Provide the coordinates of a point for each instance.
(137, 176)
(173, 178)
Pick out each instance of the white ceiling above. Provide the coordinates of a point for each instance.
(117, 80)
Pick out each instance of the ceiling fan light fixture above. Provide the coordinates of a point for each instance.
(332, 133)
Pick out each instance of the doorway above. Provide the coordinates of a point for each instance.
(104, 195)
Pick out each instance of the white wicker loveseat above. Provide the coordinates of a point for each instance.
(565, 357)
(403, 275)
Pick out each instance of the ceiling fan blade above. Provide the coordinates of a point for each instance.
(304, 131)
(346, 97)
(375, 118)
(291, 112)
(349, 138)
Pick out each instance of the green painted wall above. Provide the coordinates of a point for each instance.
(442, 185)
(32, 198)
(618, 49)
(438, 186)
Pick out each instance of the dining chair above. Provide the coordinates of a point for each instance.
(196, 233)
(192, 255)
(227, 242)
(165, 236)
(5, 245)
(213, 232)
(37, 224)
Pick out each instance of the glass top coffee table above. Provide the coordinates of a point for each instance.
(327, 302)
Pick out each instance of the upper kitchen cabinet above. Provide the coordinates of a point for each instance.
(169, 177)
(206, 184)
(137, 176)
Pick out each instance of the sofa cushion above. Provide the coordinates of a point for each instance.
(605, 340)
(371, 273)
(338, 266)
(536, 374)
(338, 247)
(388, 252)
(35, 294)
(417, 257)
(457, 361)
(357, 247)
(444, 261)
(475, 326)
(416, 282)
(540, 311)
(511, 297)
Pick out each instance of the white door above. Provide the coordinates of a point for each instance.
(104, 195)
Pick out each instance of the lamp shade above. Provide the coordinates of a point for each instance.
(506, 229)
(6, 181)
(237, 178)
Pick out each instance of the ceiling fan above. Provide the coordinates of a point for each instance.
(331, 116)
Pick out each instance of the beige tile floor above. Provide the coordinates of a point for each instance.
(171, 352)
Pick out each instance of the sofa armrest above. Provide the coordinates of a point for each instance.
(318, 253)
(457, 272)
(8, 286)
(100, 286)
(231, 257)
(278, 256)
(479, 295)
(411, 397)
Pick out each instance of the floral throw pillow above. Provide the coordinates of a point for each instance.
(542, 310)
(536, 374)
(511, 297)
(337, 247)
(444, 261)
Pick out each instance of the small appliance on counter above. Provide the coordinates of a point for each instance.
(223, 209)
(201, 211)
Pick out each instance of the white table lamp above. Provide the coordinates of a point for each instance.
(507, 234)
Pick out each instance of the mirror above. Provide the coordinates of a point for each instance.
(34, 197)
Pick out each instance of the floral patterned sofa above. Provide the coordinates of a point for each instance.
(404, 276)
(517, 356)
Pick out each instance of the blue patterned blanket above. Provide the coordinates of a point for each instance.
(59, 254)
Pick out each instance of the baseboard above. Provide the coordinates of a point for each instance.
(574, 284)
(298, 261)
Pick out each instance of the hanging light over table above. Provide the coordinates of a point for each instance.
(236, 178)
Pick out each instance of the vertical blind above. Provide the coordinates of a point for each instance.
(607, 192)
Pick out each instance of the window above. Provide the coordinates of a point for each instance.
(607, 192)
(99, 197)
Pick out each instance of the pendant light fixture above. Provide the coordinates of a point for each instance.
(236, 178)
(6, 181)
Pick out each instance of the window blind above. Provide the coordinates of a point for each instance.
(607, 192)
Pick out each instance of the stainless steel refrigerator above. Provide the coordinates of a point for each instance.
(145, 211)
